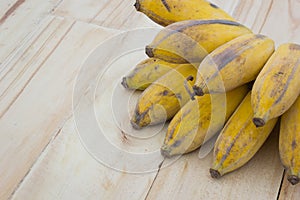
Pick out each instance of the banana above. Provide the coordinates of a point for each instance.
(277, 85)
(190, 41)
(146, 72)
(233, 64)
(165, 12)
(289, 142)
(200, 120)
(164, 98)
(239, 140)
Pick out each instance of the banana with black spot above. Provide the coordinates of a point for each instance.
(277, 85)
(199, 120)
(233, 64)
(164, 98)
(289, 142)
(165, 12)
(190, 41)
(239, 140)
(146, 72)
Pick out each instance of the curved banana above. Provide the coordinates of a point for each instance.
(162, 99)
(289, 142)
(199, 120)
(146, 72)
(233, 64)
(239, 140)
(190, 41)
(165, 12)
(277, 85)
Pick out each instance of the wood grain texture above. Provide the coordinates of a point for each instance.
(7, 8)
(113, 14)
(19, 26)
(283, 22)
(38, 113)
(18, 73)
(289, 191)
(252, 13)
(66, 171)
(103, 182)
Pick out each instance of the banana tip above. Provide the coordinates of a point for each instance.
(259, 122)
(135, 125)
(149, 51)
(214, 173)
(293, 179)
(164, 152)
(124, 82)
(198, 91)
(137, 5)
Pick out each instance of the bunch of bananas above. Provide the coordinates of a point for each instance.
(209, 74)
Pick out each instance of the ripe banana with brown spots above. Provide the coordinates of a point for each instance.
(165, 12)
(289, 142)
(277, 85)
(146, 72)
(164, 98)
(239, 140)
(190, 41)
(233, 64)
(199, 120)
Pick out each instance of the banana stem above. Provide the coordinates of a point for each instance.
(124, 83)
(259, 122)
(214, 173)
(137, 5)
(293, 179)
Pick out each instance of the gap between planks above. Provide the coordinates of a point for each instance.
(35, 72)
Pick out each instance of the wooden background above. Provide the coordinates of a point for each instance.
(42, 47)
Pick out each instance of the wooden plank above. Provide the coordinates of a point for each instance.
(7, 7)
(252, 13)
(188, 178)
(21, 70)
(113, 14)
(283, 22)
(42, 107)
(80, 10)
(67, 171)
(100, 181)
(19, 26)
(122, 15)
(289, 191)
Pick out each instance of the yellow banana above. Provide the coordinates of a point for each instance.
(165, 12)
(289, 142)
(239, 140)
(190, 41)
(233, 64)
(146, 72)
(277, 85)
(162, 99)
(199, 120)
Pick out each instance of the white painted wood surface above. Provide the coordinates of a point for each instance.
(43, 46)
